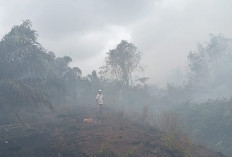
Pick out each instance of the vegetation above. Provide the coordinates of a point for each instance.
(173, 136)
(204, 99)
(105, 150)
(121, 62)
(32, 77)
(180, 146)
(208, 119)
(29, 75)
(130, 152)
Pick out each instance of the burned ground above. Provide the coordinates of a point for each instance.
(63, 134)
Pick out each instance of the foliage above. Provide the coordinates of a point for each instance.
(209, 64)
(20, 55)
(173, 136)
(105, 150)
(210, 122)
(209, 71)
(168, 122)
(121, 62)
(31, 76)
(182, 146)
(18, 93)
(130, 152)
(201, 60)
(204, 98)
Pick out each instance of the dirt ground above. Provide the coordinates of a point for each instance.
(63, 134)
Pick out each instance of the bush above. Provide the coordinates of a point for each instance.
(173, 137)
(182, 146)
(105, 150)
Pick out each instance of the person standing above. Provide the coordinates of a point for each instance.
(99, 100)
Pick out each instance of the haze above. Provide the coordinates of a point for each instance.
(164, 30)
(163, 66)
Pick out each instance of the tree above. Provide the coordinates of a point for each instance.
(31, 76)
(121, 62)
(210, 67)
(21, 65)
(208, 56)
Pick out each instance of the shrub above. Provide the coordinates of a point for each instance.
(173, 136)
(130, 152)
(105, 150)
(182, 146)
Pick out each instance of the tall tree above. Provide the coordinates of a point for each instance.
(210, 67)
(22, 62)
(208, 57)
(122, 61)
(29, 75)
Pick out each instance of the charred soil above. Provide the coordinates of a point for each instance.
(64, 134)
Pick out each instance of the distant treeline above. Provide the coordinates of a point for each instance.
(31, 76)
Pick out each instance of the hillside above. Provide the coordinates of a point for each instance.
(63, 134)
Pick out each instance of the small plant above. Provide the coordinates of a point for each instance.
(173, 138)
(105, 150)
(181, 145)
(130, 152)
(168, 122)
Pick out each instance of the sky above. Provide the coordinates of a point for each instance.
(165, 31)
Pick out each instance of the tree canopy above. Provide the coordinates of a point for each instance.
(121, 62)
(29, 75)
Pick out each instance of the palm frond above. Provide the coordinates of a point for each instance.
(15, 93)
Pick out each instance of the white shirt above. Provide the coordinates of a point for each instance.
(99, 98)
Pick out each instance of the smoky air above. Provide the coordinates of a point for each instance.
(115, 78)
